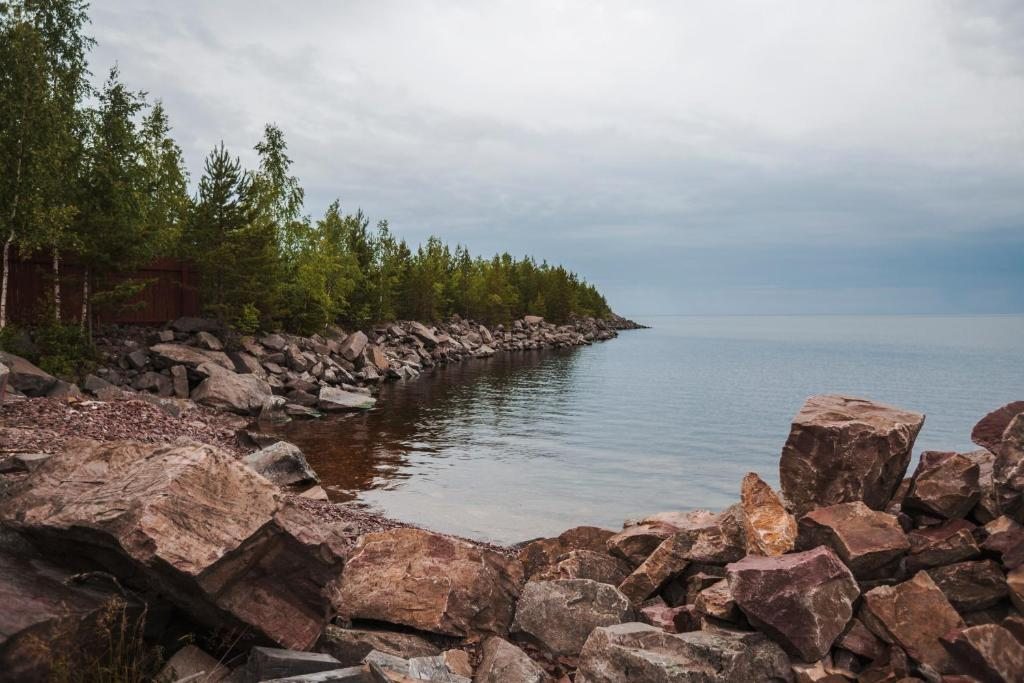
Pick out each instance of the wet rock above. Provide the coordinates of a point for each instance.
(26, 377)
(633, 544)
(353, 346)
(639, 652)
(241, 394)
(971, 586)
(195, 525)
(843, 449)
(503, 662)
(544, 552)
(944, 484)
(586, 564)
(334, 400)
(268, 663)
(989, 653)
(191, 662)
(914, 615)
(864, 539)
(561, 614)
(282, 463)
(988, 433)
(770, 530)
(945, 544)
(803, 601)
(430, 582)
(351, 645)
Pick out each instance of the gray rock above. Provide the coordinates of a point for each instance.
(351, 645)
(23, 462)
(351, 674)
(205, 340)
(138, 358)
(274, 342)
(335, 400)
(267, 663)
(561, 614)
(62, 389)
(94, 384)
(26, 377)
(165, 336)
(503, 662)
(295, 359)
(282, 463)
(242, 394)
(179, 381)
(353, 346)
(420, 331)
(166, 355)
(154, 382)
(191, 662)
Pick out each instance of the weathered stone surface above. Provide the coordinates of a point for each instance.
(351, 674)
(1008, 471)
(803, 601)
(192, 522)
(155, 382)
(351, 645)
(138, 358)
(334, 400)
(914, 615)
(420, 331)
(179, 381)
(458, 662)
(242, 394)
(970, 586)
(945, 544)
(716, 601)
(717, 541)
(633, 544)
(670, 619)
(843, 449)
(282, 463)
(944, 484)
(430, 582)
(561, 614)
(639, 652)
(26, 377)
(539, 554)
(1005, 538)
(503, 662)
(268, 663)
(206, 340)
(190, 661)
(988, 433)
(666, 562)
(190, 325)
(586, 564)
(865, 539)
(166, 355)
(859, 640)
(353, 346)
(770, 529)
(1015, 583)
(688, 519)
(989, 653)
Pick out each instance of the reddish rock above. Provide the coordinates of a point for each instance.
(561, 614)
(768, 527)
(539, 554)
(987, 507)
(193, 523)
(865, 539)
(666, 562)
(671, 619)
(351, 645)
(1008, 471)
(633, 544)
(803, 601)
(843, 449)
(430, 582)
(681, 519)
(1014, 623)
(971, 586)
(586, 564)
(944, 484)
(945, 544)
(891, 667)
(988, 433)
(717, 602)
(989, 653)
(1005, 538)
(914, 615)
(353, 346)
(1015, 584)
(503, 662)
(859, 640)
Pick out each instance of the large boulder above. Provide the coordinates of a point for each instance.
(334, 400)
(242, 394)
(803, 601)
(843, 449)
(865, 539)
(944, 485)
(989, 652)
(503, 662)
(988, 433)
(913, 615)
(430, 582)
(543, 552)
(639, 652)
(559, 615)
(192, 523)
(770, 529)
(353, 346)
(282, 463)
(26, 377)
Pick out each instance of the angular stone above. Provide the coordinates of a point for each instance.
(1005, 538)
(859, 640)
(503, 662)
(26, 377)
(195, 525)
(192, 662)
(944, 485)
(1008, 471)
(274, 342)
(803, 601)
(544, 552)
(914, 615)
(951, 542)
(334, 400)
(268, 663)
(971, 586)
(561, 614)
(1015, 583)
(865, 540)
(420, 331)
(458, 662)
(179, 381)
(353, 346)
(843, 449)
(586, 564)
(770, 529)
(155, 382)
(430, 582)
(988, 433)
(138, 358)
(670, 619)
(633, 544)
(351, 645)
(206, 340)
(351, 674)
(639, 652)
(282, 463)
(987, 507)
(190, 325)
(166, 355)
(666, 562)
(242, 394)
(716, 601)
(988, 652)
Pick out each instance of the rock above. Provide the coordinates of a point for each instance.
(970, 586)
(179, 381)
(666, 562)
(987, 507)
(154, 382)
(430, 582)
(544, 552)
(990, 653)
(352, 674)
(803, 601)
(843, 449)
(282, 463)
(1008, 471)
(864, 539)
(94, 384)
(205, 340)
(353, 347)
(242, 394)
(138, 359)
(670, 619)
(716, 601)
(633, 544)
(859, 640)
(189, 325)
(1015, 583)
(26, 377)
(914, 615)
(457, 661)
(274, 342)
(503, 662)
(385, 668)
(586, 564)
(167, 355)
(351, 645)
(334, 400)
(639, 652)
(422, 333)
(268, 663)
(988, 433)
(192, 523)
(295, 359)
(560, 615)
(945, 544)
(1005, 538)
(191, 662)
(944, 485)
(533, 319)
(769, 529)
(165, 336)
(23, 462)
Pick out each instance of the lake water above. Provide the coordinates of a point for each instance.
(528, 444)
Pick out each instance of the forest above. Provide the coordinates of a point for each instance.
(96, 172)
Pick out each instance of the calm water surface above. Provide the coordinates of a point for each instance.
(528, 444)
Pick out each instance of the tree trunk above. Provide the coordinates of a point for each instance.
(56, 284)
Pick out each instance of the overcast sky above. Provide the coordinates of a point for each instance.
(686, 157)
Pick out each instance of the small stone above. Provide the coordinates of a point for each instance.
(859, 640)
(1015, 583)
(586, 564)
(332, 400)
(190, 661)
(542, 553)
(351, 645)
(179, 381)
(561, 614)
(944, 484)
(716, 601)
(353, 346)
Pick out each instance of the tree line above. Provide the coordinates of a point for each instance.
(97, 173)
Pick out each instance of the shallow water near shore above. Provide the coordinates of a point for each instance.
(528, 444)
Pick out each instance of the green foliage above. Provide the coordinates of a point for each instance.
(63, 350)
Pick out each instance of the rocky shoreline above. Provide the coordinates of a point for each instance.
(858, 569)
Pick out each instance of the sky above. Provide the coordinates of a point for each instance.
(718, 157)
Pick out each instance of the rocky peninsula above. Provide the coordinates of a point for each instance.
(193, 528)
